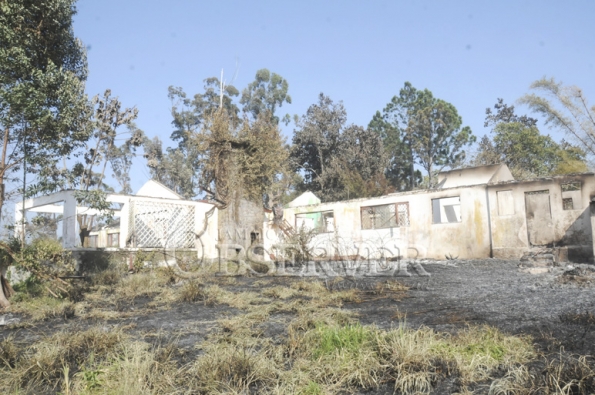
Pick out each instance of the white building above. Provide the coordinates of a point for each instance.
(476, 212)
(154, 218)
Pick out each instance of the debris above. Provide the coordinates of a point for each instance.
(8, 319)
(535, 270)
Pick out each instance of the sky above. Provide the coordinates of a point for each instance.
(468, 53)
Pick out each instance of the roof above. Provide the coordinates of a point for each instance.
(489, 174)
(155, 189)
(305, 199)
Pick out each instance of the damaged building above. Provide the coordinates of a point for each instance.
(155, 218)
(473, 213)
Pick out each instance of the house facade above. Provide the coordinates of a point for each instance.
(154, 218)
(477, 212)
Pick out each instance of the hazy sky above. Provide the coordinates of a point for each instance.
(468, 53)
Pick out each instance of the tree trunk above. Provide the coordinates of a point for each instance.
(7, 290)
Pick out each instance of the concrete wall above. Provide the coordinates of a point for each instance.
(240, 222)
(422, 238)
(503, 220)
(526, 214)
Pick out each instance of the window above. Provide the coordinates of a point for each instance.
(385, 216)
(113, 240)
(571, 186)
(571, 195)
(446, 210)
(92, 240)
(505, 203)
(322, 221)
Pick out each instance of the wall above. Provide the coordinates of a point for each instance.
(523, 217)
(241, 221)
(422, 238)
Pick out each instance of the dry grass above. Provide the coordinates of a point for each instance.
(318, 347)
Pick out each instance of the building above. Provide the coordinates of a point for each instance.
(478, 212)
(154, 218)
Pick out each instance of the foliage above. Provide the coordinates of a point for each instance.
(177, 167)
(220, 153)
(171, 168)
(43, 108)
(505, 113)
(244, 162)
(418, 128)
(564, 107)
(102, 147)
(518, 143)
(337, 162)
(267, 92)
(437, 138)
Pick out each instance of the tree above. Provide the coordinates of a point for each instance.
(267, 92)
(43, 108)
(102, 149)
(392, 125)
(171, 168)
(437, 138)
(418, 128)
(505, 113)
(337, 162)
(189, 117)
(518, 143)
(360, 164)
(566, 108)
(239, 163)
(315, 142)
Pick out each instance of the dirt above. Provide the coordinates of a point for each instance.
(556, 307)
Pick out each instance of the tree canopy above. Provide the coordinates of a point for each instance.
(43, 108)
(337, 162)
(418, 128)
(518, 143)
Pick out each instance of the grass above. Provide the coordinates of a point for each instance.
(316, 347)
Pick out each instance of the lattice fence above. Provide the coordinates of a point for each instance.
(161, 225)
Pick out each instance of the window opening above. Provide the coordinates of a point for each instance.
(320, 221)
(571, 192)
(567, 204)
(113, 240)
(385, 216)
(571, 186)
(446, 210)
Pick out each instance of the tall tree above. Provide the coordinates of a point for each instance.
(337, 162)
(43, 108)
(359, 164)
(189, 118)
(437, 138)
(566, 108)
(418, 128)
(315, 142)
(102, 147)
(267, 92)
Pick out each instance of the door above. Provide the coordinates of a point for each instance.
(540, 228)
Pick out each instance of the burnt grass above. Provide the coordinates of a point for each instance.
(557, 309)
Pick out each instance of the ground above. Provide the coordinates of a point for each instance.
(552, 313)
